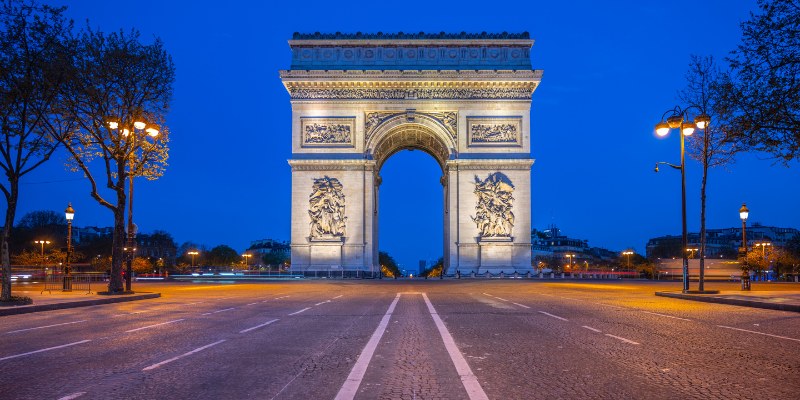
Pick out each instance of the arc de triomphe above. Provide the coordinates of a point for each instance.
(359, 98)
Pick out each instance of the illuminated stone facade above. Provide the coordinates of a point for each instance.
(464, 99)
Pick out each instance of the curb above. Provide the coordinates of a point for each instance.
(74, 304)
(733, 302)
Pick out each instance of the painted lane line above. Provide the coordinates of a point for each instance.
(252, 304)
(298, 312)
(756, 332)
(153, 326)
(219, 311)
(665, 315)
(197, 302)
(46, 326)
(322, 302)
(487, 294)
(132, 313)
(338, 296)
(154, 366)
(471, 384)
(353, 381)
(554, 316)
(592, 329)
(43, 350)
(500, 298)
(72, 396)
(258, 326)
(521, 305)
(621, 338)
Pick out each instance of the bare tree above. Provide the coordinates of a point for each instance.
(711, 146)
(762, 90)
(34, 49)
(117, 78)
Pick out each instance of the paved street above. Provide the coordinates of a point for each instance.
(403, 339)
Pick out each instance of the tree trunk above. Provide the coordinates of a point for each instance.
(703, 212)
(115, 284)
(11, 210)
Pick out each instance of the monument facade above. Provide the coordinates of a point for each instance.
(464, 99)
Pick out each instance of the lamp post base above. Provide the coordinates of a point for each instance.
(745, 282)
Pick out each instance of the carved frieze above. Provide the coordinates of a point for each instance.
(494, 131)
(327, 208)
(493, 214)
(449, 119)
(327, 131)
(499, 93)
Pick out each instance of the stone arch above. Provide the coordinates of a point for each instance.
(411, 131)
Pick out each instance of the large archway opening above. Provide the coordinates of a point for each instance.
(411, 209)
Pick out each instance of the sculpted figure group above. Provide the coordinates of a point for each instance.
(493, 213)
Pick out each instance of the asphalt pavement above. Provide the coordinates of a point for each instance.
(404, 339)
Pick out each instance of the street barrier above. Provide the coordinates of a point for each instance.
(73, 282)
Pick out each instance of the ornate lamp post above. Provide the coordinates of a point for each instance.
(130, 134)
(42, 242)
(69, 213)
(678, 118)
(743, 214)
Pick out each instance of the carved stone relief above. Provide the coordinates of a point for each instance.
(331, 131)
(404, 94)
(327, 208)
(447, 118)
(488, 131)
(493, 214)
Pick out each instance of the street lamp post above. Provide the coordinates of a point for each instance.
(193, 253)
(69, 213)
(130, 244)
(679, 119)
(42, 242)
(628, 254)
(743, 214)
(691, 251)
(571, 257)
(247, 260)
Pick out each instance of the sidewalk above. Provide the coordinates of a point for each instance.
(774, 300)
(57, 300)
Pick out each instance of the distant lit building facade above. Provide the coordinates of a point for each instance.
(551, 244)
(720, 243)
(90, 232)
(279, 250)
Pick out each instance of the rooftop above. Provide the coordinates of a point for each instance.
(408, 36)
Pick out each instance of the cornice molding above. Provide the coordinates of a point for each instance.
(332, 165)
(490, 164)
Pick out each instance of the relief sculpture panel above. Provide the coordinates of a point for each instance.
(327, 132)
(494, 131)
(493, 214)
(327, 208)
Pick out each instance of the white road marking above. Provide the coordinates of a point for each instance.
(218, 311)
(471, 384)
(73, 396)
(197, 302)
(338, 296)
(153, 326)
(745, 330)
(298, 312)
(353, 381)
(258, 326)
(554, 316)
(592, 329)
(665, 315)
(521, 305)
(43, 350)
(322, 302)
(132, 313)
(252, 304)
(46, 326)
(621, 338)
(154, 366)
(500, 298)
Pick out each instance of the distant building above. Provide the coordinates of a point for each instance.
(90, 232)
(720, 243)
(157, 246)
(551, 244)
(278, 250)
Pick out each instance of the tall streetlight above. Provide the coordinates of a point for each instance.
(763, 246)
(691, 251)
(628, 254)
(69, 213)
(678, 118)
(247, 260)
(193, 253)
(42, 242)
(571, 257)
(129, 134)
(743, 214)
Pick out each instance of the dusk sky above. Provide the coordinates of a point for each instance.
(611, 69)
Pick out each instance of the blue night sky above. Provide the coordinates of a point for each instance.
(611, 69)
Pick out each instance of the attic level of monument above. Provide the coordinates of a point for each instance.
(401, 51)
